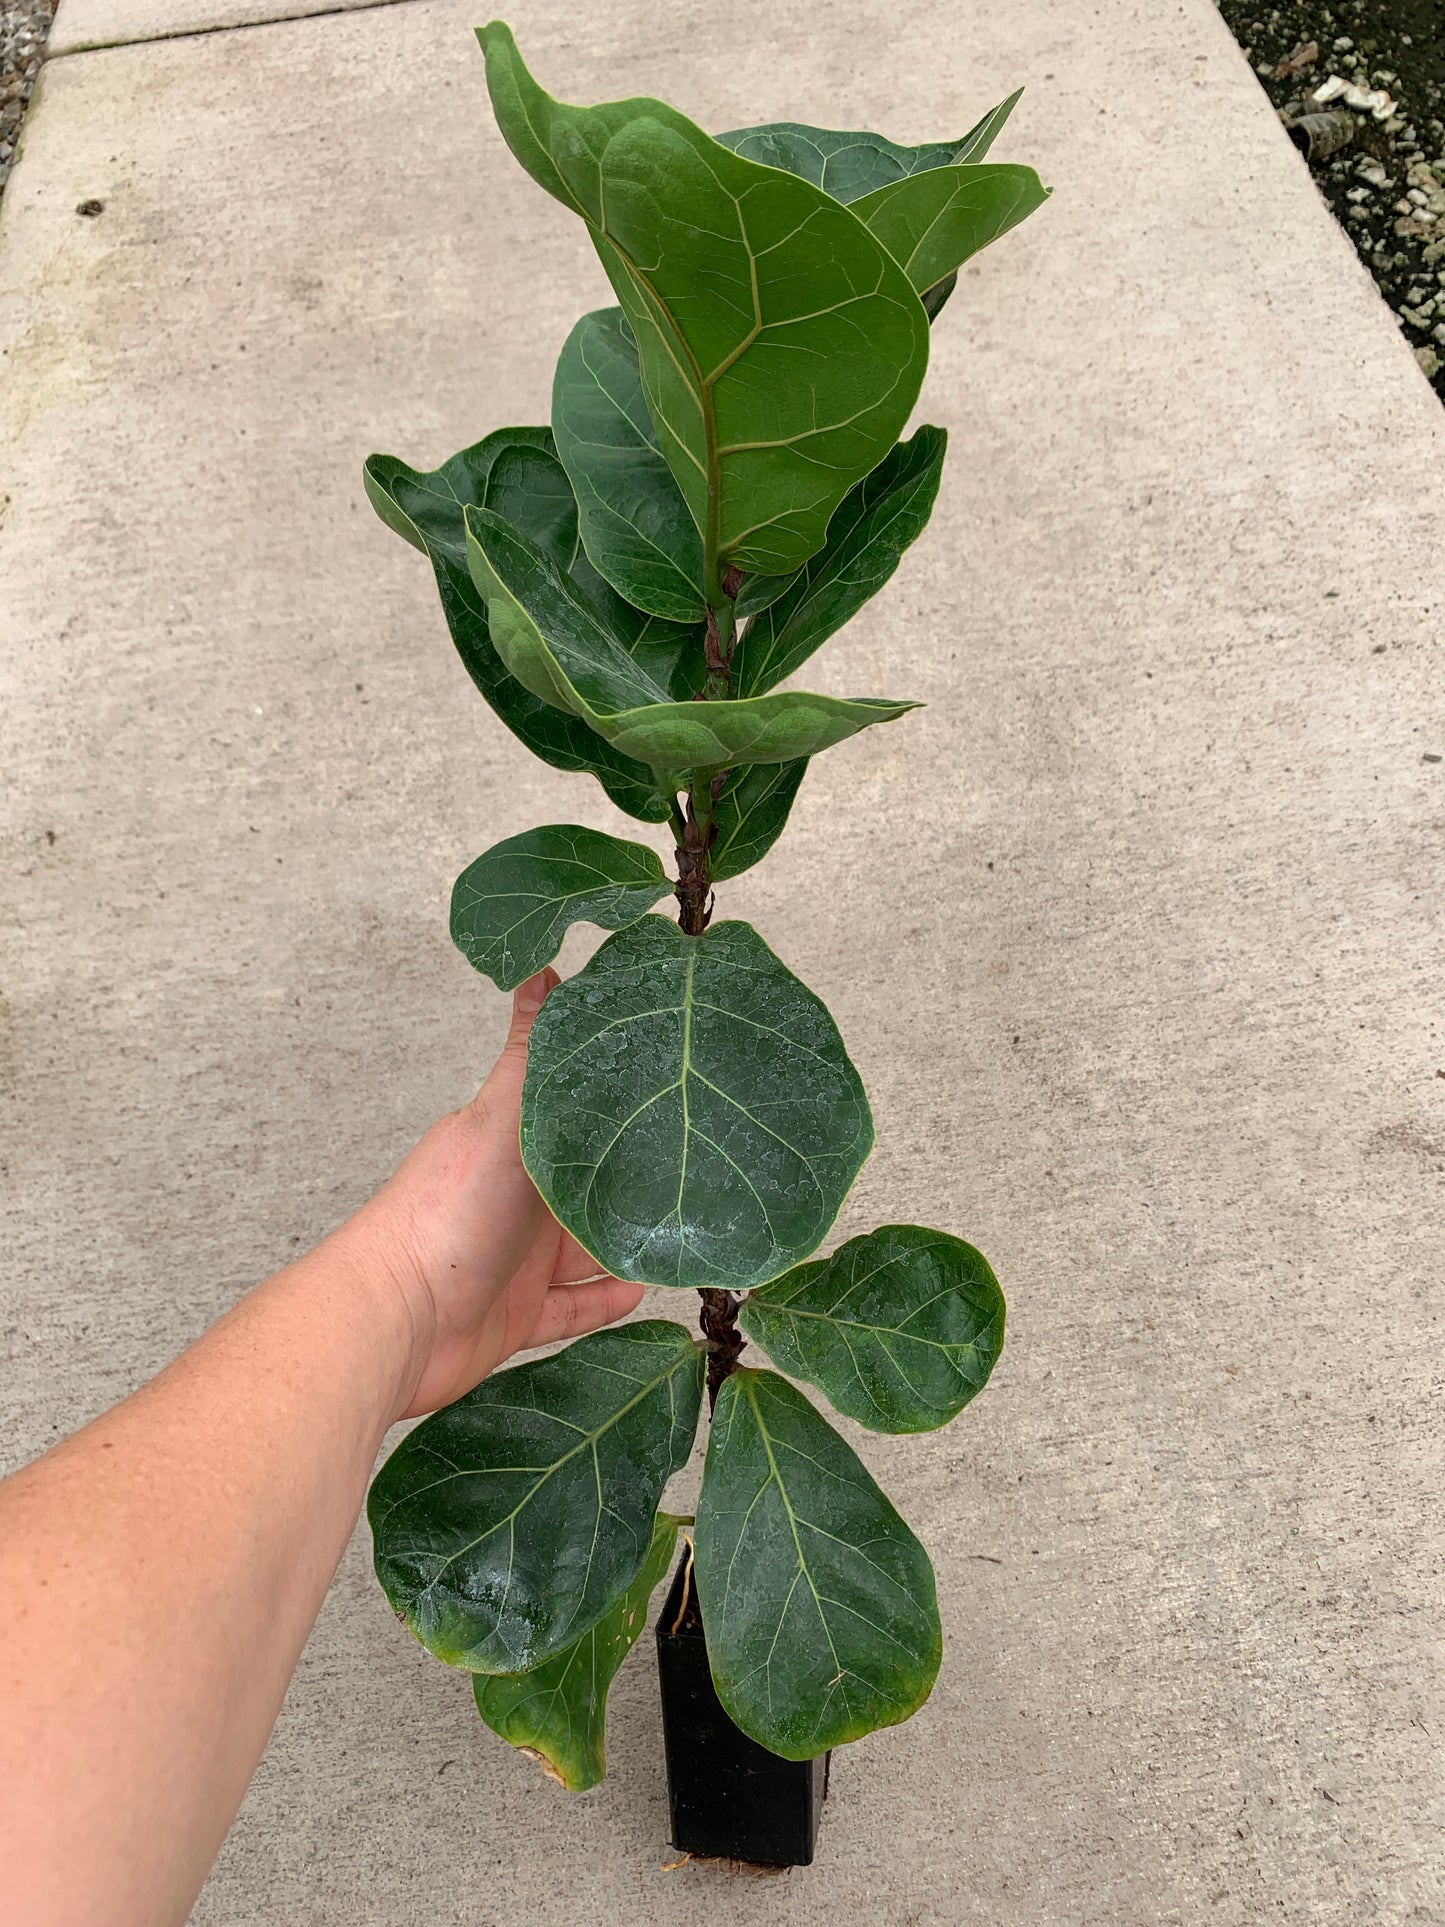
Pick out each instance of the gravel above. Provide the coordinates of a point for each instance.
(24, 28)
(1386, 185)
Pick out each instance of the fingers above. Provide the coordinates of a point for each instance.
(569, 1311)
(574, 1263)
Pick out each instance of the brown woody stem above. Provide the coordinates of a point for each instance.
(725, 1342)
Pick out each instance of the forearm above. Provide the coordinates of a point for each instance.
(161, 1571)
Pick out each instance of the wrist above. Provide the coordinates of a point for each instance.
(382, 1319)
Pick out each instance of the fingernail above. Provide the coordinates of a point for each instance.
(531, 995)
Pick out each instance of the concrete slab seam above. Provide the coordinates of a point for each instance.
(232, 26)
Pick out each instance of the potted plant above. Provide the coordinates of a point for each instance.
(721, 488)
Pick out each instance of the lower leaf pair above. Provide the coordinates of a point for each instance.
(518, 1533)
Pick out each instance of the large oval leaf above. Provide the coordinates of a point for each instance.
(514, 905)
(558, 1711)
(781, 346)
(557, 644)
(690, 1113)
(876, 522)
(900, 1328)
(426, 509)
(507, 1524)
(931, 223)
(817, 1601)
(635, 525)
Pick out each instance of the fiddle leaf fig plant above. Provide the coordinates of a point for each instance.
(722, 486)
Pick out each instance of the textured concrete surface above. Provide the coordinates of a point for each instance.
(84, 24)
(1133, 931)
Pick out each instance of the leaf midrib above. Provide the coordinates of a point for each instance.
(589, 1440)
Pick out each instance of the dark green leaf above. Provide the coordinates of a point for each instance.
(849, 165)
(636, 527)
(844, 165)
(690, 1113)
(558, 1711)
(528, 487)
(933, 298)
(507, 1524)
(931, 223)
(555, 642)
(817, 1600)
(514, 905)
(866, 539)
(564, 741)
(899, 1329)
(750, 815)
(781, 347)
(426, 508)
(762, 591)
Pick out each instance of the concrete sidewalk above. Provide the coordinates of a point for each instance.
(1133, 931)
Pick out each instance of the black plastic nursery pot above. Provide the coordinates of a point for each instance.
(730, 1798)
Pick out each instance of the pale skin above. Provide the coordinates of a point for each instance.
(161, 1569)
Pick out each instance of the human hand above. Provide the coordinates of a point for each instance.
(461, 1234)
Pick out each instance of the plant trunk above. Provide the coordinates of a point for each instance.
(693, 909)
(725, 1342)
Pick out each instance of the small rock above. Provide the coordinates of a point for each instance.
(1430, 362)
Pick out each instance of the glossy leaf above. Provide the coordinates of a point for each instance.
(932, 223)
(514, 905)
(635, 525)
(818, 1602)
(750, 815)
(424, 506)
(850, 165)
(877, 521)
(899, 1329)
(781, 346)
(426, 509)
(762, 591)
(690, 1113)
(556, 644)
(508, 1523)
(558, 1712)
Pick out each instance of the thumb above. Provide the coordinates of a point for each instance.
(527, 1000)
(502, 1093)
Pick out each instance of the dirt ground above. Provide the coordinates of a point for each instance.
(1386, 184)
